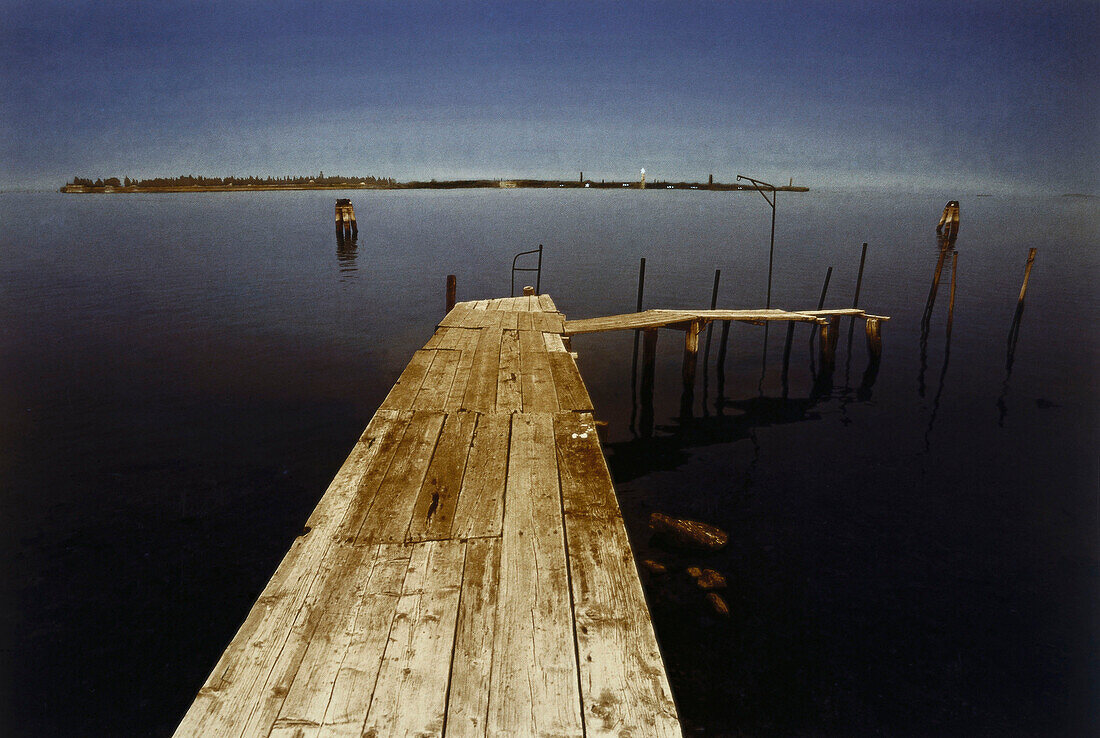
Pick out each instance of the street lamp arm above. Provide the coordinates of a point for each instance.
(759, 184)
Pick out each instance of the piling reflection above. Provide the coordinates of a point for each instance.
(947, 342)
(945, 248)
(635, 458)
(347, 254)
(1013, 339)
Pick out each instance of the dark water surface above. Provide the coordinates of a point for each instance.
(182, 375)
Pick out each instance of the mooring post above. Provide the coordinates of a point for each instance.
(859, 277)
(528, 290)
(452, 291)
(1027, 275)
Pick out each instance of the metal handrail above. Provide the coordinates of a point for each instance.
(538, 279)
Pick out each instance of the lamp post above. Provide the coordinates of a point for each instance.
(771, 250)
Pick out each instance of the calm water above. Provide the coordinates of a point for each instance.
(181, 376)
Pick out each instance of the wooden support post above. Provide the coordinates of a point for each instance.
(1027, 275)
(452, 291)
(874, 339)
(354, 225)
(691, 352)
(528, 290)
(829, 334)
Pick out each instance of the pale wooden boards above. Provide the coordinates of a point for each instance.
(676, 318)
(467, 573)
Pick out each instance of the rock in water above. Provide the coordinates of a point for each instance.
(707, 578)
(688, 533)
(656, 567)
(718, 605)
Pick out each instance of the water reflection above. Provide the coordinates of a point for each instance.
(946, 251)
(347, 255)
(737, 420)
(1013, 339)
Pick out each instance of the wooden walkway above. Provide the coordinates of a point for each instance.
(467, 573)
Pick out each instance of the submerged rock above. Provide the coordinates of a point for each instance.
(655, 567)
(707, 578)
(718, 605)
(688, 533)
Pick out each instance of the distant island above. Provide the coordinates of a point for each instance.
(191, 183)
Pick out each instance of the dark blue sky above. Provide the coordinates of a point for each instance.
(986, 96)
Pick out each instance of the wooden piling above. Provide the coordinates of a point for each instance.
(1027, 275)
(859, 277)
(528, 290)
(949, 221)
(452, 291)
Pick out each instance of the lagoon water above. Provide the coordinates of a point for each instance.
(912, 553)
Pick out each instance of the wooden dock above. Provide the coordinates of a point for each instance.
(467, 573)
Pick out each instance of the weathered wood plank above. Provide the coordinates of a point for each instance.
(481, 390)
(480, 505)
(623, 683)
(568, 385)
(553, 342)
(458, 317)
(534, 687)
(548, 322)
(232, 687)
(230, 692)
(546, 304)
(434, 510)
(403, 393)
(468, 703)
(345, 487)
(302, 695)
(468, 346)
(509, 396)
(437, 382)
(525, 321)
(410, 697)
(390, 513)
(536, 381)
(355, 678)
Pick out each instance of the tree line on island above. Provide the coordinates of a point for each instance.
(191, 180)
